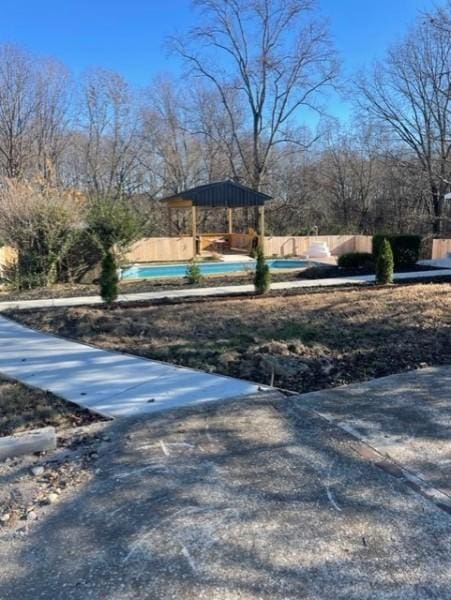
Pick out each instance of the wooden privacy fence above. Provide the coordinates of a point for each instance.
(161, 249)
(181, 248)
(299, 245)
(167, 249)
(441, 249)
(8, 256)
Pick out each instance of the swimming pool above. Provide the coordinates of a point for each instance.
(208, 268)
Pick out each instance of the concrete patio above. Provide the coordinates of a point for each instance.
(262, 498)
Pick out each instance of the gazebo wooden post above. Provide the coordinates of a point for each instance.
(194, 228)
(170, 221)
(230, 220)
(261, 226)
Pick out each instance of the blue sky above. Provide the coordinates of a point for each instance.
(128, 35)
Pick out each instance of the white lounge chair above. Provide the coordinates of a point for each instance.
(318, 250)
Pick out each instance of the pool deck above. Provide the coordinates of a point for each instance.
(226, 290)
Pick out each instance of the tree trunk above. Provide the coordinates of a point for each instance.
(437, 208)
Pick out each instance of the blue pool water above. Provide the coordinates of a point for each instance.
(208, 268)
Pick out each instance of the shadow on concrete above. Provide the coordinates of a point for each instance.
(256, 499)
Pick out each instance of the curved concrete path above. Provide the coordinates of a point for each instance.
(110, 383)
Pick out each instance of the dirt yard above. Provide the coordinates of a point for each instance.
(306, 342)
(29, 484)
(23, 408)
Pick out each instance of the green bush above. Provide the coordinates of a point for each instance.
(193, 272)
(113, 222)
(405, 248)
(262, 277)
(109, 279)
(384, 263)
(355, 260)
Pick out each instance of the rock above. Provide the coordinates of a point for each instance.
(38, 470)
(52, 498)
(5, 517)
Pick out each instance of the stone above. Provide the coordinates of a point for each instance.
(5, 517)
(29, 442)
(52, 498)
(38, 470)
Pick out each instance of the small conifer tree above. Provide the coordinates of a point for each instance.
(384, 263)
(109, 279)
(262, 278)
(193, 272)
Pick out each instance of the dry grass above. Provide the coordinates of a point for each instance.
(306, 342)
(23, 408)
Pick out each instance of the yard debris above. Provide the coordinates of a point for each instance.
(52, 498)
(31, 484)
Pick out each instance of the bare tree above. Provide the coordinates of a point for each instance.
(268, 58)
(348, 169)
(110, 122)
(51, 117)
(410, 95)
(17, 109)
(173, 152)
(441, 17)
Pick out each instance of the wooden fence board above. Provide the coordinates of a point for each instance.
(441, 249)
(161, 249)
(299, 245)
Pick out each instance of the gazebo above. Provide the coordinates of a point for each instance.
(222, 194)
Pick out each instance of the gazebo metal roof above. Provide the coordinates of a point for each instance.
(225, 194)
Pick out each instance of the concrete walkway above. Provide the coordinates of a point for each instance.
(110, 383)
(216, 291)
(440, 263)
